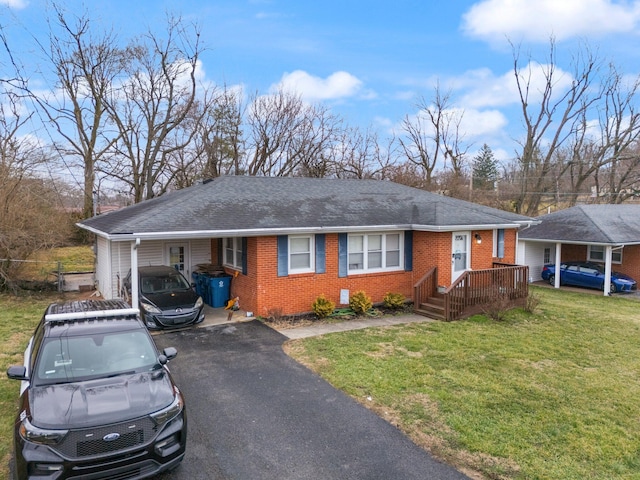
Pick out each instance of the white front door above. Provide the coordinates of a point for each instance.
(177, 256)
(460, 247)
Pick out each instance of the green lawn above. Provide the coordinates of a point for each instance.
(550, 395)
(18, 318)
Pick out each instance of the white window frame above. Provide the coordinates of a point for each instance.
(616, 255)
(311, 252)
(384, 251)
(236, 249)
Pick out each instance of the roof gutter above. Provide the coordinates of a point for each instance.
(579, 242)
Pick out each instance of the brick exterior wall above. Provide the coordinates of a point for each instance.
(262, 292)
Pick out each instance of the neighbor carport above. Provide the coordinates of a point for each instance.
(254, 413)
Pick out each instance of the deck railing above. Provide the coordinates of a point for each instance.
(426, 287)
(474, 290)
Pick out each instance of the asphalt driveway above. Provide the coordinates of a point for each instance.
(254, 413)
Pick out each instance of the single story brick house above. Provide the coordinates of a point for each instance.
(605, 234)
(286, 240)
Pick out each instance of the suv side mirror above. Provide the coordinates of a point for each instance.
(17, 372)
(170, 353)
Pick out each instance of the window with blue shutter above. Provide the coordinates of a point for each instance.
(320, 254)
(283, 255)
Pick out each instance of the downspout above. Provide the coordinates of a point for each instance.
(134, 273)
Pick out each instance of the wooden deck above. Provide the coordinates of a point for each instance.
(472, 292)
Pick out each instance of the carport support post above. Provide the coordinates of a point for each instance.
(607, 270)
(556, 283)
(134, 273)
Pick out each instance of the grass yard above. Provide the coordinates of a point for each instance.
(18, 318)
(550, 395)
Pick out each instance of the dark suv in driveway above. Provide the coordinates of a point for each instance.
(97, 400)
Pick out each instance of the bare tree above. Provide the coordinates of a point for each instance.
(433, 137)
(30, 217)
(85, 67)
(551, 119)
(154, 109)
(287, 136)
(219, 136)
(359, 154)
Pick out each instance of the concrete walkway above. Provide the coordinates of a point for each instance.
(347, 325)
(218, 316)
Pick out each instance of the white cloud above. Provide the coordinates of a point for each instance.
(17, 4)
(537, 21)
(484, 89)
(335, 86)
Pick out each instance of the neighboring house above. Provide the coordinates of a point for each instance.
(606, 234)
(292, 239)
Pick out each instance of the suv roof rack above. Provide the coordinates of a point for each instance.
(66, 317)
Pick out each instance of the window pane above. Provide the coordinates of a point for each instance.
(300, 261)
(597, 253)
(375, 242)
(393, 259)
(300, 245)
(393, 242)
(356, 243)
(356, 261)
(375, 260)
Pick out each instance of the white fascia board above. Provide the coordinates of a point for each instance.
(456, 228)
(578, 242)
(127, 237)
(191, 234)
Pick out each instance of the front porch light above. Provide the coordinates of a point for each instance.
(478, 238)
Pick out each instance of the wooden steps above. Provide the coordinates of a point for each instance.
(433, 307)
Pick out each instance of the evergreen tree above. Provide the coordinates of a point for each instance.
(485, 169)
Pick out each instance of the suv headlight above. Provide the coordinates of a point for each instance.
(169, 413)
(34, 434)
(150, 307)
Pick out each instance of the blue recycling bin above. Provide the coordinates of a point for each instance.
(219, 288)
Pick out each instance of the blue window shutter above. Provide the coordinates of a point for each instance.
(320, 253)
(408, 250)
(244, 255)
(283, 255)
(342, 255)
(220, 252)
(500, 249)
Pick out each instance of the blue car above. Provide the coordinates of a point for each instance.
(589, 275)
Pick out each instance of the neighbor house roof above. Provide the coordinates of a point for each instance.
(246, 206)
(588, 224)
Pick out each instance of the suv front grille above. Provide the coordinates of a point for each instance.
(90, 441)
(96, 447)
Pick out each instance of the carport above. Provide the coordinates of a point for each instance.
(605, 234)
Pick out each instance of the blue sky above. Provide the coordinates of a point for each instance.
(370, 60)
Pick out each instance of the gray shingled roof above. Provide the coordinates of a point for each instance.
(256, 205)
(599, 224)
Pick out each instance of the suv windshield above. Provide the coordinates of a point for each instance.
(163, 283)
(75, 358)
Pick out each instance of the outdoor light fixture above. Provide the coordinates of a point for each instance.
(478, 238)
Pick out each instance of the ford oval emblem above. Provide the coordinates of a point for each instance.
(111, 437)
